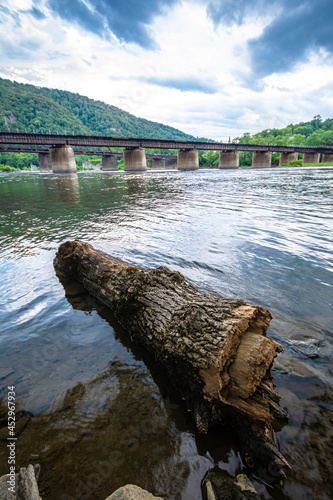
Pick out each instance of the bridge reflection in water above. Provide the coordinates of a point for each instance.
(57, 152)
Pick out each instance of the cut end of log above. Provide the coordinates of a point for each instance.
(254, 356)
(246, 361)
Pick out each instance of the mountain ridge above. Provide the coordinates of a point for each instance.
(29, 108)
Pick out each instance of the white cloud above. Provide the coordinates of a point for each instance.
(144, 82)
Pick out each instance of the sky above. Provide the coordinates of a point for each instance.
(212, 68)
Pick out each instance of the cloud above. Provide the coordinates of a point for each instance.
(36, 13)
(296, 28)
(234, 11)
(127, 20)
(301, 28)
(206, 78)
(184, 84)
(17, 51)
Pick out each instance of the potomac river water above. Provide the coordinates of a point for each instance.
(93, 408)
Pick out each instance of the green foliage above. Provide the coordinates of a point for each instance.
(320, 164)
(313, 133)
(8, 168)
(80, 159)
(19, 160)
(202, 158)
(245, 158)
(96, 161)
(296, 163)
(37, 109)
(212, 158)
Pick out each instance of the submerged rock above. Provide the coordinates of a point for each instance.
(308, 347)
(132, 492)
(218, 485)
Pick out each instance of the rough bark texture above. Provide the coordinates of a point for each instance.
(215, 350)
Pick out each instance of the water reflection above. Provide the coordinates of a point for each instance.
(64, 187)
(126, 425)
(110, 431)
(136, 183)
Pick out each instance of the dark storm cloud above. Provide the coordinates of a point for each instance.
(126, 19)
(298, 26)
(184, 84)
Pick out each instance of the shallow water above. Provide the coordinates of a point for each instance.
(96, 411)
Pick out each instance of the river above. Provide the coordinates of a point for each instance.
(94, 409)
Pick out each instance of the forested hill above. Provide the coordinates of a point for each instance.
(38, 109)
(315, 132)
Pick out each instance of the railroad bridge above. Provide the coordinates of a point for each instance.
(57, 152)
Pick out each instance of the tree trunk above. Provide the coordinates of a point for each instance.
(215, 350)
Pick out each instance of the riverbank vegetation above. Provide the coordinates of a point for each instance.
(315, 132)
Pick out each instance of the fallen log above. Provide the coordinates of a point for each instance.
(215, 350)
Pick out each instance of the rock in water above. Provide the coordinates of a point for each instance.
(132, 492)
(25, 486)
(219, 485)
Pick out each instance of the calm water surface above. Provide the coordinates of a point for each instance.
(95, 411)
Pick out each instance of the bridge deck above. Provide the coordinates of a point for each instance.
(21, 138)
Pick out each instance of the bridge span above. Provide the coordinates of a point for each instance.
(57, 152)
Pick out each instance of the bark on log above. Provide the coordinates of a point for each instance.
(215, 350)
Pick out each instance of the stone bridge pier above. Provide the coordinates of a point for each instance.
(311, 158)
(229, 159)
(135, 159)
(63, 159)
(109, 163)
(262, 159)
(45, 163)
(285, 158)
(327, 158)
(188, 159)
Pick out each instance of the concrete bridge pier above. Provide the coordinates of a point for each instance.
(135, 159)
(327, 158)
(311, 158)
(229, 159)
(262, 159)
(158, 163)
(170, 163)
(188, 159)
(285, 158)
(109, 162)
(63, 159)
(45, 163)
